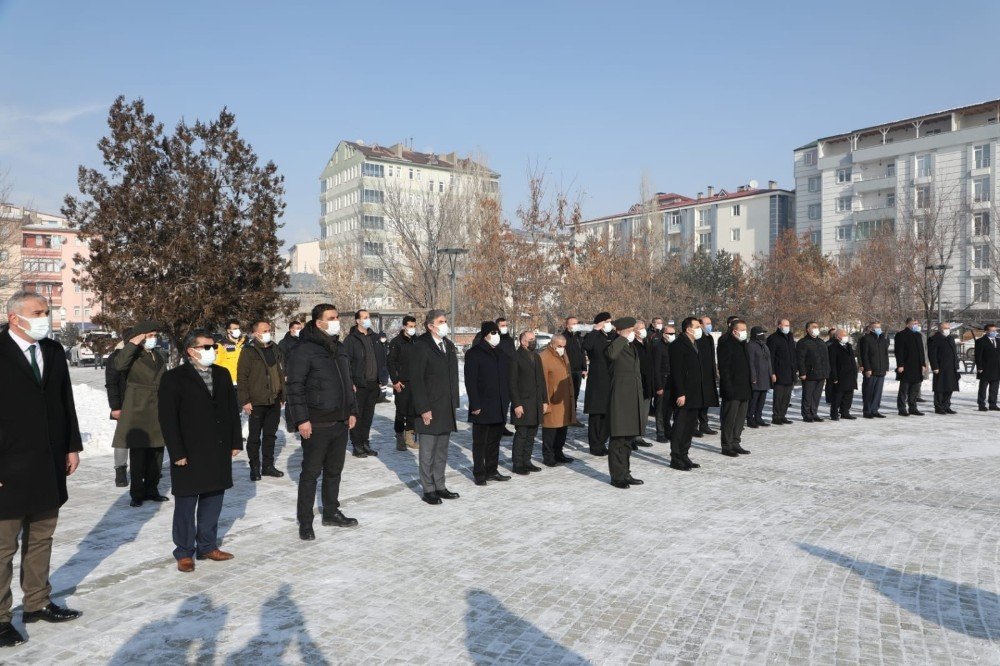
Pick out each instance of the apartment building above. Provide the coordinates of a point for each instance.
(304, 258)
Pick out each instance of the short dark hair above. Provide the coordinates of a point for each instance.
(810, 323)
(686, 324)
(357, 314)
(231, 322)
(910, 320)
(294, 322)
(318, 311)
(520, 336)
(192, 337)
(432, 315)
(499, 319)
(735, 321)
(409, 319)
(253, 326)
(989, 326)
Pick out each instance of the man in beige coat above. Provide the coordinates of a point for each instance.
(561, 401)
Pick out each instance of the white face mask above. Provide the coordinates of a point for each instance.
(607, 328)
(366, 324)
(411, 331)
(332, 328)
(493, 339)
(845, 341)
(741, 336)
(265, 338)
(295, 334)
(560, 350)
(698, 332)
(946, 332)
(631, 336)
(785, 330)
(642, 334)
(149, 343)
(207, 357)
(38, 327)
(671, 337)
(814, 332)
(658, 327)
(235, 334)
(443, 330)
(503, 330)
(576, 328)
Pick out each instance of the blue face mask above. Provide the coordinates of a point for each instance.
(992, 334)
(915, 328)
(366, 323)
(878, 331)
(708, 328)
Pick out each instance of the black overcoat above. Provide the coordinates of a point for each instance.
(988, 358)
(398, 364)
(626, 416)
(942, 353)
(812, 358)
(434, 379)
(598, 393)
(783, 357)
(843, 368)
(734, 369)
(687, 374)
(706, 352)
(527, 387)
(645, 356)
(487, 383)
(909, 352)
(874, 355)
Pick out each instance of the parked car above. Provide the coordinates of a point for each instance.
(81, 354)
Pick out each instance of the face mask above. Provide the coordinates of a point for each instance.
(946, 332)
(366, 323)
(235, 333)
(785, 330)
(915, 328)
(332, 328)
(493, 339)
(560, 350)
(503, 330)
(265, 338)
(38, 328)
(878, 331)
(658, 327)
(671, 337)
(207, 358)
(533, 345)
(814, 332)
(761, 336)
(698, 333)
(149, 343)
(992, 334)
(443, 330)
(741, 336)
(295, 334)
(845, 341)
(411, 331)
(708, 328)
(631, 336)
(642, 334)
(607, 328)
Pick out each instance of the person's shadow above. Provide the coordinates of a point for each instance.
(494, 634)
(955, 606)
(281, 624)
(404, 464)
(234, 505)
(198, 622)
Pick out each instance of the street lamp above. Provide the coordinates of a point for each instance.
(452, 253)
(940, 281)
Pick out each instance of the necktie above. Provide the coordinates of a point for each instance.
(34, 365)
(441, 345)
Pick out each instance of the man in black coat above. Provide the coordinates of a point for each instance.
(291, 341)
(40, 446)
(398, 364)
(200, 421)
(781, 344)
(734, 385)
(487, 383)
(911, 363)
(367, 359)
(942, 353)
(528, 397)
(114, 385)
(688, 389)
(812, 358)
(661, 383)
(843, 376)
(874, 362)
(322, 407)
(988, 368)
(706, 352)
(643, 351)
(434, 378)
(598, 396)
(506, 339)
(577, 359)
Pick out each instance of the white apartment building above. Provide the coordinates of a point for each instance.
(849, 185)
(353, 192)
(746, 220)
(304, 258)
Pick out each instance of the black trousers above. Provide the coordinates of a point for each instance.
(703, 419)
(755, 410)
(841, 403)
(685, 422)
(524, 445)
(486, 449)
(598, 433)
(577, 381)
(403, 421)
(871, 394)
(323, 453)
(906, 399)
(942, 399)
(196, 523)
(553, 440)
(734, 415)
(264, 421)
(366, 397)
(618, 457)
(780, 400)
(147, 467)
(664, 415)
(992, 386)
(812, 392)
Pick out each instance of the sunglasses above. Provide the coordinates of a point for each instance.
(204, 347)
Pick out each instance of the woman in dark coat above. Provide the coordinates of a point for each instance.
(942, 354)
(487, 383)
(761, 376)
(200, 421)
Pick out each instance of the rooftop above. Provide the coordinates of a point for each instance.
(670, 200)
(400, 153)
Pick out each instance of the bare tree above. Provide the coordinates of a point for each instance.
(11, 218)
(347, 281)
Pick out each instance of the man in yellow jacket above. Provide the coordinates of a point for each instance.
(228, 354)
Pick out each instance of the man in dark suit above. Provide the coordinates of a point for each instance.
(41, 446)
(988, 368)
(843, 376)
(644, 353)
(688, 389)
(577, 360)
(706, 352)
(528, 404)
(661, 383)
(115, 383)
(942, 354)
(911, 363)
(626, 410)
(735, 386)
(874, 362)
(595, 402)
(434, 378)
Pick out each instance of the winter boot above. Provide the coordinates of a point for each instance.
(411, 439)
(121, 477)
(400, 442)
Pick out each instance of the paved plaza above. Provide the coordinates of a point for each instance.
(863, 541)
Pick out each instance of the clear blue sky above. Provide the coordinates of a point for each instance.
(692, 93)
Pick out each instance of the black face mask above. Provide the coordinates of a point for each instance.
(533, 345)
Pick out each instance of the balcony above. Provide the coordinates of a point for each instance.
(982, 133)
(878, 212)
(873, 183)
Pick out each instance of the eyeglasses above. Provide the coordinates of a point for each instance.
(204, 347)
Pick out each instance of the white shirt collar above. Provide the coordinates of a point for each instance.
(21, 342)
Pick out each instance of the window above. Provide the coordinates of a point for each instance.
(373, 196)
(372, 222)
(980, 256)
(734, 234)
(76, 312)
(843, 204)
(843, 175)
(375, 275)
(76, 288)
(372, 249)
(845, 233)
(411, 174)
(705, 240)
(440, 186)
(703, 216)
(41, 265)
(373, 170)
(924, 166)
(418, 174)
(981, 189)
(86, 314)
(430, 185)
(675, 219)
(923, 196)
(981, 224)
(890, 170)
(982, 156)
(867, 228)
(815, 211)
(980, 290)
(736, 210)
(815, 237)
(814, 183)
(809, 158)
(890, 200)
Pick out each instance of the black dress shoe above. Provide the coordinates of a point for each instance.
(731, 454)
(938, 410)
(807, 419)
(271, 470)
(50, 613)
(679, 466)
(916, 412)
(848, 417)
(994, 408)
(370, 451)
(643, 443)
(920, 400)
(9, 636)
(691, 464)
(983, 408)
(950, 411)
(834, 418)
(535, 468)
(869, 416)
(447, 494)
(602, 452)
(563, 459)
(549, 463)
(135, 502)
(521, 471)
(763, 424)
(879, 415)
(359, 452)
(817, 419)
(620, 484)
(634, 446)
(254, 474)
(157, 498)
(786, 422)
(742, 451)
(709, 431)
(632, 481)
(338, 519)
(306, 533)
(431, 498)
(904, 413)
(696, 434)
(752, 424)
(662, 440)
(498, 477)
(480, 482)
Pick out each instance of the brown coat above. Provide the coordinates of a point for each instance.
(559, 388)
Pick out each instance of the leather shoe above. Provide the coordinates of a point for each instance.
(786, 422)
(480, 482)
(938, 410)
(950, 411)
(563, 459)
(994, 408)
(731, 454)
(520, 471)
(752, 424)
(983, 408)
(431, 498)
(916, 412)
(447, 494)
(696, 434)
(879, 415)
(620, 484)
(138, 502)
(602, 452)
(691, 464)
(643, 443)
(632, 481)
(9, 636)
(338, 519)
(254, 474)
(549, 463)
(185, 565)
(50, 613)
(271, 470)
(763, 424)
(306, 533)
(849, 417)
(742, 451)
(535, 468)
(818, 419)
(904, 413)
(807, 419)
(869, 416)
(709, 431)
(157, 498)
(359, 452)
(370, 451)
(498, 477)
(216, 556)
(679, 466)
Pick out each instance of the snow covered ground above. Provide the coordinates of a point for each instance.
(870, 541)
